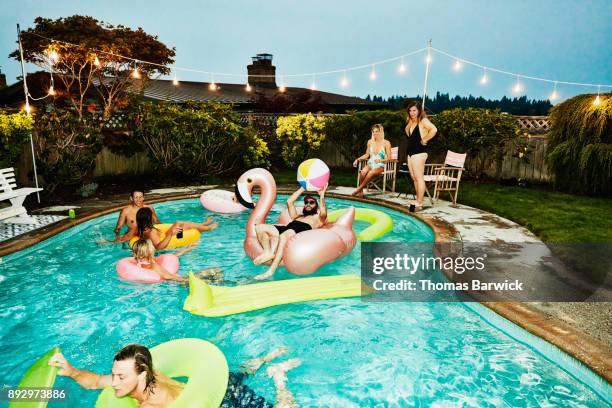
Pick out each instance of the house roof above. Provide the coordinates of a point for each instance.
(236, 93)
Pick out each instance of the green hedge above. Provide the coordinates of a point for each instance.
(15, 131)
(196, 140)
(580, 145)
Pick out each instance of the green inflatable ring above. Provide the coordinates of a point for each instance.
(381, 222)
(40, 374)
(199, 360)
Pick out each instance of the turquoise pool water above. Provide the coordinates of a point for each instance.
(65, 291)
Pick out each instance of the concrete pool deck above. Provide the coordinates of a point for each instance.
(580, 329)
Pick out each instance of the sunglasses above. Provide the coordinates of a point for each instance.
(310, 202)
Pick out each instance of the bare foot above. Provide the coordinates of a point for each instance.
(207, 221)
(252, 365)
(279, 371)
(211, 226)
(356, 192)
(263, 258)
(267, 274)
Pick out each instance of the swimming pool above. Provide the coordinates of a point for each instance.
(64, 291)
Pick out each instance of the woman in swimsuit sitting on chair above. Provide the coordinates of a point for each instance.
(378, 152)
(313, 216)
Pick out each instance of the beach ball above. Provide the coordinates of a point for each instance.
(313, 174)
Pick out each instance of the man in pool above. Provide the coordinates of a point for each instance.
(313, 216)
(127, 216)
(133, 374)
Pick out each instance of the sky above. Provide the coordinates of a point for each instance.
(560, 40)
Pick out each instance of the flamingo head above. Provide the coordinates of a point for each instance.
(249, 179)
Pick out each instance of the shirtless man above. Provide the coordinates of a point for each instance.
(128, 216)
(313, 217)
(133, 375)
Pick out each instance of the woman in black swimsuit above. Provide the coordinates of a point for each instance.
(419, 131)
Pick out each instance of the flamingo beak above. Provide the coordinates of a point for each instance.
(244, 195)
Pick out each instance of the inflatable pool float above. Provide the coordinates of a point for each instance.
(221, 201)
(380, 222)
(189, 236)
(39, 375)
(211, 301)
(128, 269)
(304, 252)
(200, 361)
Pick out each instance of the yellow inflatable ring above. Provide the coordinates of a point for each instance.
(380, 222)
(189, 236)
(199, 360)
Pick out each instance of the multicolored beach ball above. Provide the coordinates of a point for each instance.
(313, 174)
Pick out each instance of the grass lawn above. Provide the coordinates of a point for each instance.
(553, 216)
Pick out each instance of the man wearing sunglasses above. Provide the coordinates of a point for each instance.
(313, 216)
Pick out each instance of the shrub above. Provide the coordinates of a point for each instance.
(580, 145)
(350, 133)
(197, 139)
(66, 147)
(14, 133)
(483, 134)
(300, 136)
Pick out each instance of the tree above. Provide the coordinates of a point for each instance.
(95, 68)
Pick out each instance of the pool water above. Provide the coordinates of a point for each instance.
(65, 291)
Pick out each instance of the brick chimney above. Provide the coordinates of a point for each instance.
(2, 80)
(262, 65)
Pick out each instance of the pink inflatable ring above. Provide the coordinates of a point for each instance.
(128, 269)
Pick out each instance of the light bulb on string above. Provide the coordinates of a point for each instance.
(51, 91)
(517, 87)
(428, 57)
(96, 62)
(282, 87)
(53, 57)
(457, 65)
(373, 73)
(597, 100)
(248, 87)
(401, 68)
(484, 78)
(212, 86)
(344, 82)
(135, 72)
(27, 108)
(554, 95)
(175, 80)
(313, 85)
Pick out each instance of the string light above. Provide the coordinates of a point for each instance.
(27, 107)
(313, 85)
(373, 73)
(96, 62)
(344, 82)
(282, 87)
(457, 65)
(212, 86)
(53, 57)
(248, 87)
(518, 87)
(428, 57)
(401, 68)
(597, 101)
(135, 72)
(51, 90)
(484, 78)
(554, 95)
(175, 81)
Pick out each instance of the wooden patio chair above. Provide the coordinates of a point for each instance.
(445, 177)
(387, 176)
(16, 212)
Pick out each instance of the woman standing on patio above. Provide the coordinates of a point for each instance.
(378, 152)
(419, 131)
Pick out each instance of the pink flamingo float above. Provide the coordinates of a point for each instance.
(304, 252)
